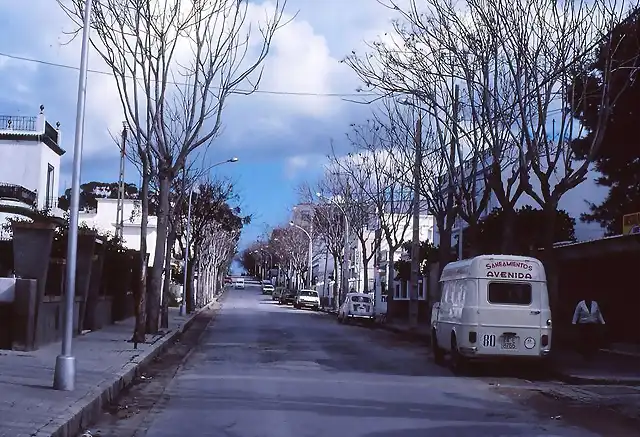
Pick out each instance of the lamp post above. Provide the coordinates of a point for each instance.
(345, 268)
(310, 260)
(183, 306)
(65, 370)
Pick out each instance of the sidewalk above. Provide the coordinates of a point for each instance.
(105, 363)
(607, 368)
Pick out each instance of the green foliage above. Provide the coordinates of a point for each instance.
(428, 255)
(528, 230)
(618, 159)
(88, 197)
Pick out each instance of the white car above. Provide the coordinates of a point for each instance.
(356, 306)
(307, 299)
(239, 283)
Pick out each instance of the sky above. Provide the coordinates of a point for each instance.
(281, 140)
(281, 135)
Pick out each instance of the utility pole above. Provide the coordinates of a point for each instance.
(415, 246)
(120, 210)
(454, 144)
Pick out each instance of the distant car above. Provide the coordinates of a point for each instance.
(356, 306)
(288, 297)
(239, 283)
(267, 289)
(307, 299)
(277, 293)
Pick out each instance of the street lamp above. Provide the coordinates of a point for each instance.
(345, 268)
(310, 261)
(183, 306)
(65, 370)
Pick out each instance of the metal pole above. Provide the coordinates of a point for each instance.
(310, 234)
(65, 371)
(415, 246)
(183, 307)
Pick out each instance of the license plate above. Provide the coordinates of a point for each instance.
(510, 342)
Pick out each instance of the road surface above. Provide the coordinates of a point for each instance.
(263, 370)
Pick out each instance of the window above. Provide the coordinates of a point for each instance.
(50, 195)
(510, 293)
(364, 299)
(308, 293)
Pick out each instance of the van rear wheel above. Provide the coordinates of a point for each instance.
(459, 363)
(438, 352)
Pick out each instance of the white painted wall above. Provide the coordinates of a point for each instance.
(104, 219)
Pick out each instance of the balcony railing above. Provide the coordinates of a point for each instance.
(18, 123)
(17, 192)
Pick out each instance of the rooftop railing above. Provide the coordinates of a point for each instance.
(18, 123)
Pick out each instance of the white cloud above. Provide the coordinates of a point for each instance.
(303, 58)
(298, 164)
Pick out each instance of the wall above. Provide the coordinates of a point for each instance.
(104, 219)
(24, 166)
(46, 157)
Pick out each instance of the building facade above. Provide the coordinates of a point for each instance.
(30, 154)
(103, 218)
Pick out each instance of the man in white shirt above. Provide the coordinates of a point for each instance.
(588, 318)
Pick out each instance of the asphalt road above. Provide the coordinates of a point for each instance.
(263, 370)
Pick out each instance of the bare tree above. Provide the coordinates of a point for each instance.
(377, 174)
(328, 226)
(360, 211)
(174, 106)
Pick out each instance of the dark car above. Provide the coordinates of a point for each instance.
(288, 297)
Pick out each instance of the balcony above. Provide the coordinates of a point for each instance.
(17, 193)
(18, 123)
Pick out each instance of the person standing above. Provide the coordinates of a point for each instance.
(588, 317)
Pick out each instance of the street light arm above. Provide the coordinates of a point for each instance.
(331, 200)
(301, 228)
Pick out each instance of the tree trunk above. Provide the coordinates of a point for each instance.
(471, 242)
(548, 257)
(508, 245)
(336, 296)
(139, 331)
(390, 275)
(164, 322)
(153, 302)
(365, 267)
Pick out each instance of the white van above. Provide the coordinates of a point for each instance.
(492, 306)
(239, 283)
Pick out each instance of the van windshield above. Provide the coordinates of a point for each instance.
(509, 293)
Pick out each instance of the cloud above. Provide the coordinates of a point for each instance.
(310, 164)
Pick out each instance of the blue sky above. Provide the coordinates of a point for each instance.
(280, 140)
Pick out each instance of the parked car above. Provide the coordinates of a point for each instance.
(307, 299)
(356, 306)
(267, 289)
(288, 297)
(277, 293)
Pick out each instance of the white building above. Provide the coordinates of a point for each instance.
(427, 232)
(574, 202)
(30, 152)
(103, 218)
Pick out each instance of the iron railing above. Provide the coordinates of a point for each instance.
(18, 123)
(18, 192)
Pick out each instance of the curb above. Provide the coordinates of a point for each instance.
(82, 414)
(590, 380)
(415, 336)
